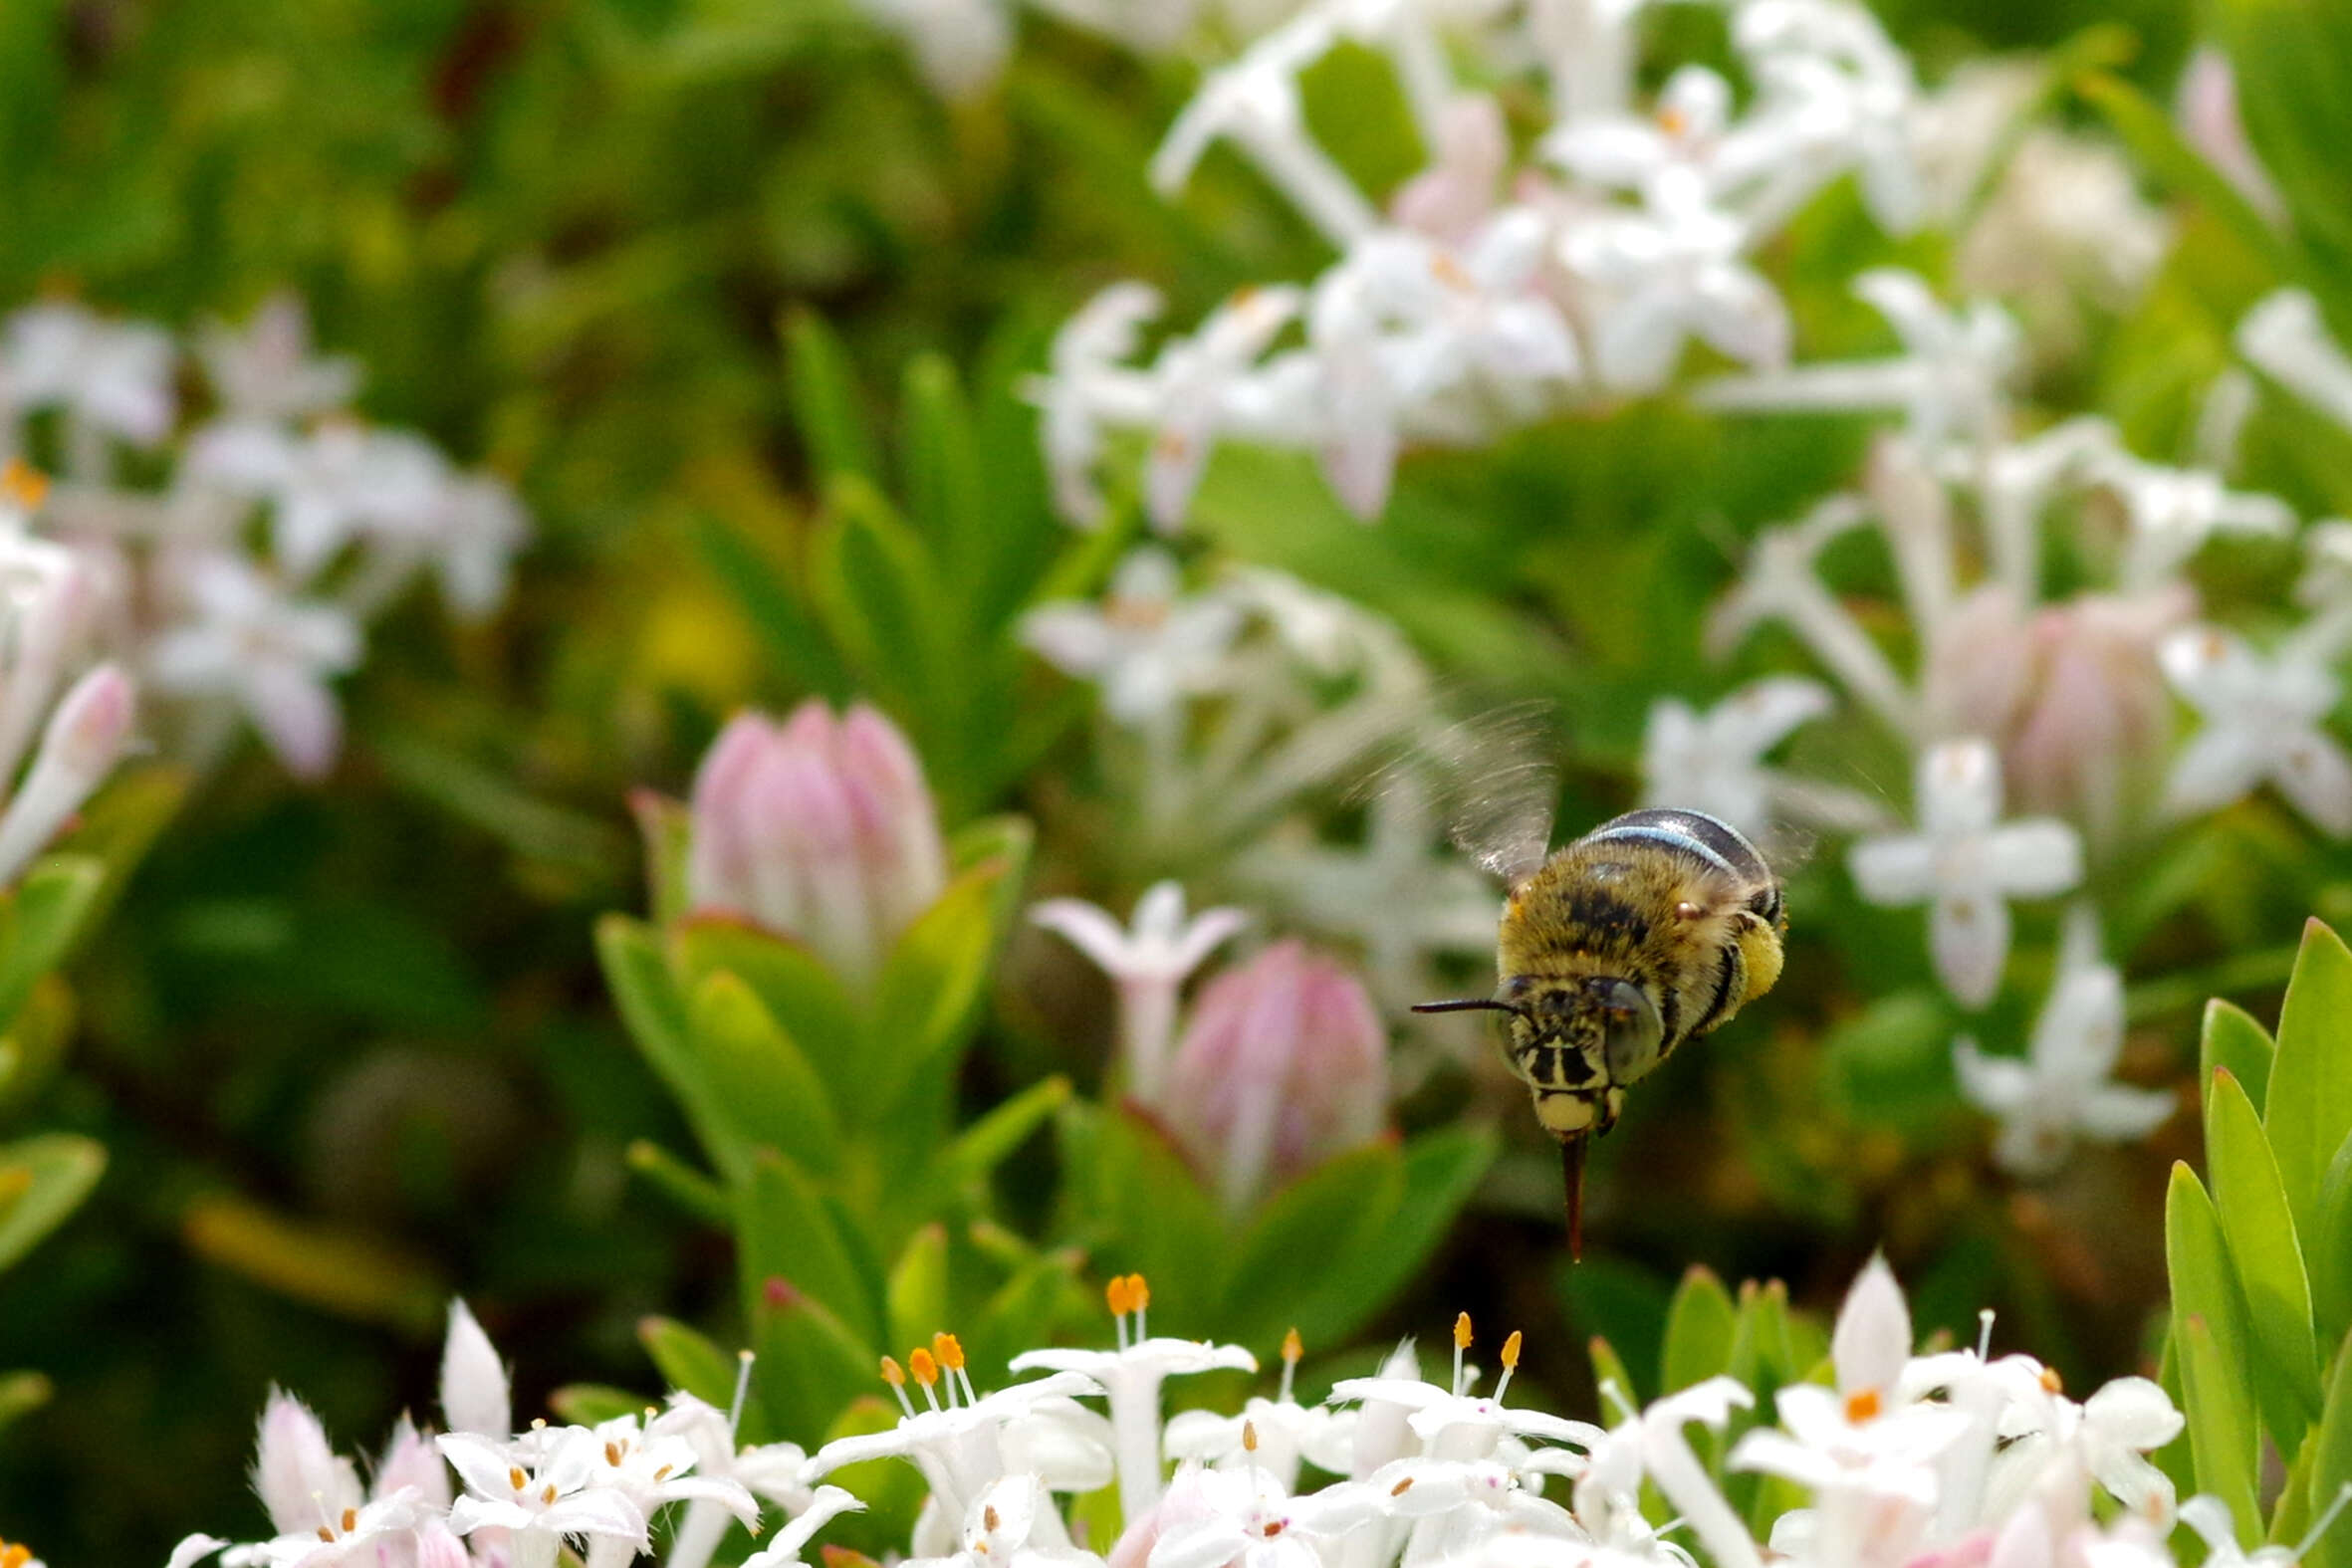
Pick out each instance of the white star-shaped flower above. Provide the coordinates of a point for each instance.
(1147, 645)
(1968, 863)
(2263, 723)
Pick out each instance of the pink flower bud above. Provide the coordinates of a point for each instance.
(84, 739)
(1283, 1065)
(819, 828)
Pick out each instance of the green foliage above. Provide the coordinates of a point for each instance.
(2257, 1329)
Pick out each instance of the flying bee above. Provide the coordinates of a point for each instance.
(1656, 926)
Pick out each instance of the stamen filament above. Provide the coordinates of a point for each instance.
(1294, 1349)
(895, 1375)
(743, 1386)
(1985, 1334)
(1461, 1344)
(2319, 1526)
(1510, 1364)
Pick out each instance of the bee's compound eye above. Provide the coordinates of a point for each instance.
(1630, 1031)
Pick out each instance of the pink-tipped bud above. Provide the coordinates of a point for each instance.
(84, 739)
(819, 828)
(1283, 1065)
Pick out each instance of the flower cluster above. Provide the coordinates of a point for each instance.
(353, 514)
(1235, 704)
(1899, 1459)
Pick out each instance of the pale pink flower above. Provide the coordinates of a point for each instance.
(819, 829)
(1283, 1065)
(1449, 199)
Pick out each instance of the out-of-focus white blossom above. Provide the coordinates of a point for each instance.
(1967, 863)
(1714, 761)
(2262, 720)
(1148, 959)
(1147, 645)
(2286, 337)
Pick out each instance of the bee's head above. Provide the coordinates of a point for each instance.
(1575, 1031)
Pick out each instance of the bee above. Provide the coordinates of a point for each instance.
(1655, 927)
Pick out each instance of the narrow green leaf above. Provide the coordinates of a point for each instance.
(770, 1095)
(2148, 132)
(2293, 60)
(2216, 1396)
(786, 1236)
(946, 497)
(591, 1404)
(980, 1148)
(2308, 1106)
(1608, 1371)
(2328, 1249)
(1442, 1169)
(656, 1017)
(43, 1179)
(22, 1393)
(687, 1360)
(1139, 1208)
(773, 604)
(2331, 1465)
(667, 829)
(880, 594)
(684, 1185)
(2268, 1263)
(811, 1364)
(2216, 1444)
(825, 400)
(917, 1292)
(48, 908)
(2231, 1038)
(1296, 1263)
(1700, 1324)
(793, 984)
(931, 983)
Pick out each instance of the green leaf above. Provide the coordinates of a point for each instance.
(803, 996)
(980, 1148)
(1138, 1207)
(42, 916)
(2308, 1110)
(684, 1185)
(878, 592)
(774, 606)
(35, 1043)
(2216, 1444)
(944, 491)
(1298, 1261)
(22, 1393)
(2331, 1464)
(811, 1365)
(591, 1404)
(2267, 1258)
(2217, 1395)
(666, 827)
(771, 1096)
(931, 986)
(43, 1179)
(917, 1293)
(1700, 1324)
(2293, 60)
(658, 1019)
(825, 400)
(2231, 1038)
(2147, 131)
(2328, 1249)
(1608, 1371)
(1442, 1170)
(786, 1232)
(688, 1361)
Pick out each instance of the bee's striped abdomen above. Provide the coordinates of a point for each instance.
(1709, 840)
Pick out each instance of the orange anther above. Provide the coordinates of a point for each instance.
(949, 1350)
(613, 1454)
(1250, 1435)
(1510, 1351)
(350, 1520)
(1461, 1331)
(1138, 1292)
(325, 1535)
(924, 1369)
(988, 1519)
(663, 1473)
(14, 1556)
(27, 487)
(2051, 1382)
(1273, 1527)
(1292, 1346)
(1401, 1487)
(516, 1478)
(892, 1373)
(546, 1493)
(1862, 1407)
(1116, 1294)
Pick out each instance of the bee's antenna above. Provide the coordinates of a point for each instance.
(1471, 1004)
(1571, 1165)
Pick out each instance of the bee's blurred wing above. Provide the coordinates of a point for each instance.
(1492, 779)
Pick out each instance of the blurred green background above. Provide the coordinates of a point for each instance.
(348, 1047)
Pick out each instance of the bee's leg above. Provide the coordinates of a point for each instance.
(1606, 1109)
